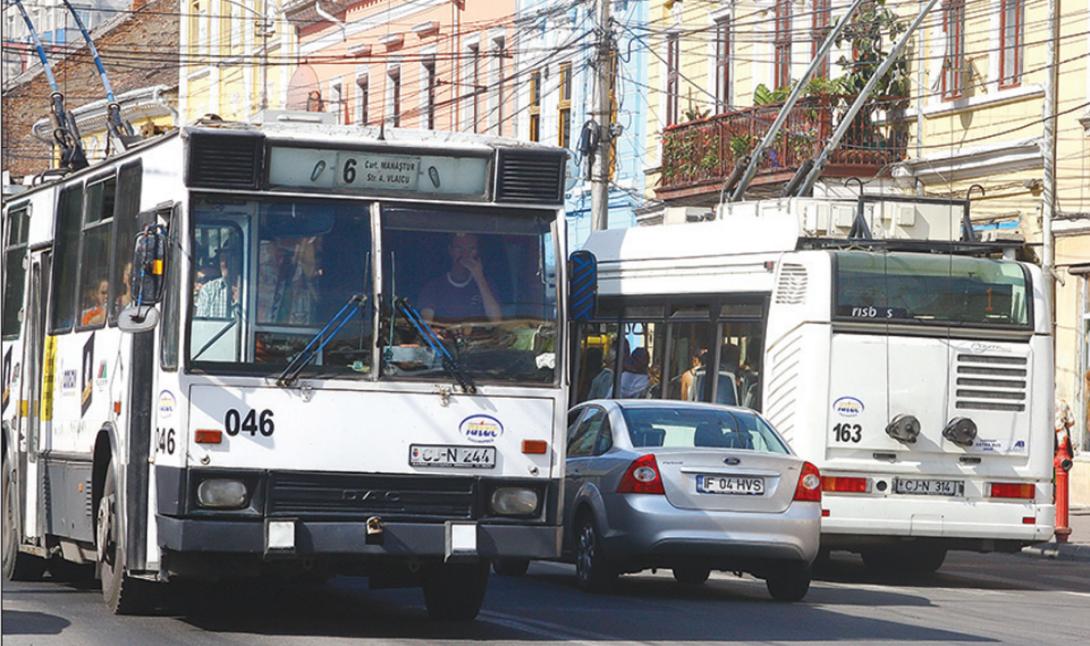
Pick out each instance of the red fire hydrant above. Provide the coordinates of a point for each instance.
(1062, 464)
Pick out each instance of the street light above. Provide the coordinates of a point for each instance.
(266, 28)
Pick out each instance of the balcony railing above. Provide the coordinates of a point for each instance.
(698, 156)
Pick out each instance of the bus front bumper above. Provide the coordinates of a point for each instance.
(305, 538)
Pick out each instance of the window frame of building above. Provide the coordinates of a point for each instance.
(781, 44)
(393, 98)
(194, 27)
(953, 58)
(429, 79)
(564, 105)
(722, 63)
(534, 109)
(1011, 53)
(225, 27)
(475, 83)
(363, 98)
(821, 25)
(673, 78)
(336, 100)
(499, 52)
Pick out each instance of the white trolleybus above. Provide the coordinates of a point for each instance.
(234, 350)
(913, 368)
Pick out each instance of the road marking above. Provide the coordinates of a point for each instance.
(545, 629)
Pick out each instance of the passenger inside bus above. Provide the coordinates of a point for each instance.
(635, 379)
(219, 297)
(124, 295)
(288, 274)
(462, 292)
(94, 303)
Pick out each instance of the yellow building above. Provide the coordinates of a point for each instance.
(236, 57)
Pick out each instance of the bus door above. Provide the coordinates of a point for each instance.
(37, 390)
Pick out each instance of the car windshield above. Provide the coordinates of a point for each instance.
(483, 283)
(699, 427)
(930, 289)
(267, 276)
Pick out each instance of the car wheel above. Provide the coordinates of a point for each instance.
(455, 591)
(689, 575)
(789, 583)
(511, 567)
(17, 566)
(592, 571)
(123, 594)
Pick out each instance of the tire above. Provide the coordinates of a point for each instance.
(511, 567)
(17, 566)
(789, 583)
(455, 591)
(593, 571)
(904, 560)
(123, 594)
(691, 575)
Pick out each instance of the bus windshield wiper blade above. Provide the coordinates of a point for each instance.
(321, 339)
(425, 332)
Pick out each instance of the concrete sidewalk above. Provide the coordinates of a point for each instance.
(1077, 546)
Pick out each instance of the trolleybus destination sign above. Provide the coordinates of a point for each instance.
(370, 171)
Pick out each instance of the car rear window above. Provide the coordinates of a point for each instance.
(692, 427)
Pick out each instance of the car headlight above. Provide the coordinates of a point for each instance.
(221, 493)
(514, 501)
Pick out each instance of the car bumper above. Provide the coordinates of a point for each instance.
(957, 520)
(325, 538)
(649, 530)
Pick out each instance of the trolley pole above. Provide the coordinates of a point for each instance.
(603, 116)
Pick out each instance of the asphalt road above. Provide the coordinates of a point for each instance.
(973, 599)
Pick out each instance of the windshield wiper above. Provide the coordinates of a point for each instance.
(321, 339)
(425, 332)
(236, 313)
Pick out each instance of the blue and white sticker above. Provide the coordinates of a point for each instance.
(166, 404)
(482, 429)
(848, 407)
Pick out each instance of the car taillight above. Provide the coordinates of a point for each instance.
(809, 487)
(642, 476)
(1024, 491)
(841, 484)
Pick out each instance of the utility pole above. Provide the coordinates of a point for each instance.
(1048, 206)
(603, 116)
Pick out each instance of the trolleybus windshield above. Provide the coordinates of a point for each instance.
(930, 289)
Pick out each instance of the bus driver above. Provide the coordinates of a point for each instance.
(462, 293)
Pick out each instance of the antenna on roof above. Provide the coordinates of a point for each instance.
(120, 130)
(64, 125)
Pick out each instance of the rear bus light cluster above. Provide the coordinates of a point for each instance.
(1016, 490)
(845, 484)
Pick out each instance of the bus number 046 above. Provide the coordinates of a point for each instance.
(848, 432)
(253, 423)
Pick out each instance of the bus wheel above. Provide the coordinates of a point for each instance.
(123, 594)
(17, 566)
(904, 560)
(455, 591)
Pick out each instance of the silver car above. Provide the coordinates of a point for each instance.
(691, 487)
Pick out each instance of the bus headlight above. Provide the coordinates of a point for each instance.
(960, 431)
(904, 428)
(221, 493)
(514, 501)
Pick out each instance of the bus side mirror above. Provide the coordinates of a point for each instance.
(146, 281)
(582, 285)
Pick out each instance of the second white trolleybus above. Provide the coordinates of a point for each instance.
(914, 369)
(290, 347)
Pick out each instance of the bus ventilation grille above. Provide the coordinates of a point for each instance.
(218, 160)
(530, 177)
(305, 494)
(990, 382)
(791, 289)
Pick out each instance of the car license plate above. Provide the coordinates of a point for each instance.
(922, 487)
(461, 457)
(734, 485)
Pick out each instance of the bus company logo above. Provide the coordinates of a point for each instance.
(166, 404)
(981, 348)
(101, 375)
(848, 407)
(69, 379)
(481, 428)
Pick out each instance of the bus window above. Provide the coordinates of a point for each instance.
(641, 365)
(66, 259)
(739, 364)
(692, 349)
(15, 230)
(597, 361)
(94, 284)
(484, 283)
(126, 205)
